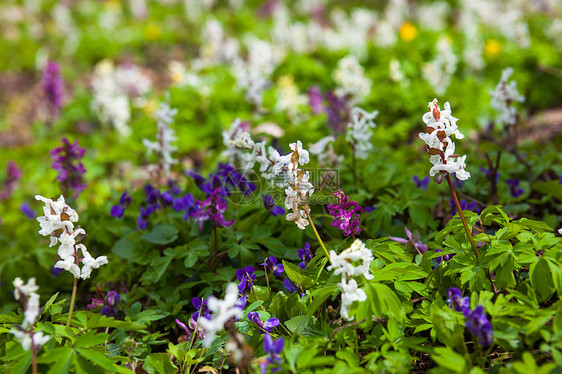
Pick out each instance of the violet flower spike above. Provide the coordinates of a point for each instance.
(346, 214)
(53, 85)
(67, 162)
(212, 209)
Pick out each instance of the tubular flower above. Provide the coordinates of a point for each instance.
(66, 161)
(503, 97)
(346, 214)
(28, 338)
(440, 125)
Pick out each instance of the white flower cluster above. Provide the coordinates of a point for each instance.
(299, 188)
(351, 80)
(57, 222)
(504, 96)
(25, 334)
(222, 312)
(344, 264)
(217, 47)
(440, 125)
(358, 131)
(112, 88)
(324, 150)
(439, 71)
(165, 136)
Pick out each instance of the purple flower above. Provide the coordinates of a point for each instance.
(53, 85)
(212, 209)
(265, 328)
(107, 305)
(118, 210)
(13, 175)
(464, 206)
(112, 298)
(477, 323)
(235, 179)
(56, 271)
(560, 181)
(346, 214)
(369, 209)
(26, 209)
(192, 325)
(246, 277)
(417, 244)
(514, 188)
(488, 174)
(201, 307)
(66, 161)
(186, 203)
(273, 349)
(292, 288)
(269, 204)
(315, 100)
(458, 303)
(271, 265)
(445, 258)
(421, 183)
(337, 110)
(305, 255)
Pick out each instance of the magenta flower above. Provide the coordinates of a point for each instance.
(13, 175)
(53, 85)
(346, 214)
(212, 209)
(66, 161)
(418, 245)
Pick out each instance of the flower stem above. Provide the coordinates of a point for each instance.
(256, 296)
(463, 219)
(72, 301)
(317, 236)
(266, 277)
(33, 353)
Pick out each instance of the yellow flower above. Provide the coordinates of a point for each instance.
(153, 32)
(408, 32)
(492, 47)
(150, 106)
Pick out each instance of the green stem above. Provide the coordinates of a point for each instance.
(317, 236)
(256, 296)
(463, 219)
(266, 277)
(72, 301)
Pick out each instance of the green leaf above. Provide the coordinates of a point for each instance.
(297, 276)
(449, 359)
(90, 339)
(62, 357)
(97, 358)
(159, 363)
(299, 324)
(161, 234)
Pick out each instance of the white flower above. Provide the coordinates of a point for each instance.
(165, 137)
(32, 310)
(350, 292)
(503, 98)
(91, 263)
(69, 264)
(439, 71)
(24, 338)
(359, 131)
(324, 150)
(57, 216)
(222, 312)
(303, 157)
(23, 289)
(299, 218)
(344, 262)
(351, 80)
(68, 241)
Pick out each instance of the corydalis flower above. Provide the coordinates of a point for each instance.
(222, 311)
(107, 304)
(503, 98)
(67, 162)
(52, 84)
(118, 210)
(265, 327)
(440, 125)
(212, 209)
(165, 137)
(346, 214)
(417, 244)
(358, 131)
(13, 175)
(57, 223)
(28, 338)
(346, 264)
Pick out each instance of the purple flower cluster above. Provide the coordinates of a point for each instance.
(346, 214)
(246, 277)
(269, 204)
(514, 188)
(53, 85)
(107, 305)
(67, 162)
(335, 107)
(273, 350)
(265, 327)
(13, 175)
(477, 322)
(445, 258)
(225, 179)
(421, 183)
(417, 244)
(212, 210)
(305, 255)
(271, 265)
(118, 210)
(464, 206)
